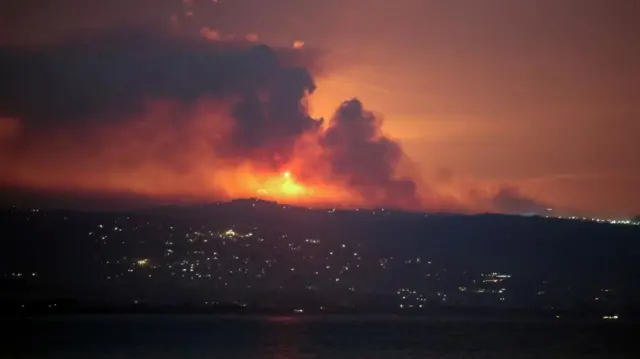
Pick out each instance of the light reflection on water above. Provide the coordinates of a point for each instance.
(296, 337)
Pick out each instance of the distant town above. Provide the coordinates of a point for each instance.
(254, 256)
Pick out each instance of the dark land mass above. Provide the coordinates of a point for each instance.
(252, 257)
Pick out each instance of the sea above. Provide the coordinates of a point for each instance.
(301, 337)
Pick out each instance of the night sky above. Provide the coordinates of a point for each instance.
(497, 105)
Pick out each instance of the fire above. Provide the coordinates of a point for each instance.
(290, 187)
(284, 187)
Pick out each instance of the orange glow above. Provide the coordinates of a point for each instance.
(291, 188)
(156, 157)
(489, 94)
(151, 156)
(283, 187)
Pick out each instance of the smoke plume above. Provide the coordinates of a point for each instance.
(358, 152)
(165, 116)
(161, 115)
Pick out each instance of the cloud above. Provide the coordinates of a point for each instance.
(509, 199)
(153, 113)
(116, 72)
(161, 115)
(366, 159)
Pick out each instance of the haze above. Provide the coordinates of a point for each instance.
(536, 101)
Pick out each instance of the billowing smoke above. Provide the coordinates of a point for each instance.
(165, 116)
(368, 160)
(112, 77)
(136, 109)
(510, 200)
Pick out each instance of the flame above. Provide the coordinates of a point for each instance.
(137, 156)
(285, 186)
(145, 163)
(290, 187)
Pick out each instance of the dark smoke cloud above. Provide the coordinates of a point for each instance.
(490, 196)
(510, 200)
(110, 78)
(114, 75)
(272, 126)
(116, 72)
(368, 160)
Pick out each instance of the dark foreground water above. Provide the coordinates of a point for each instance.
(183, 337)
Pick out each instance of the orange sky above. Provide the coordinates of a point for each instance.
(542, 94)
(538, 94)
